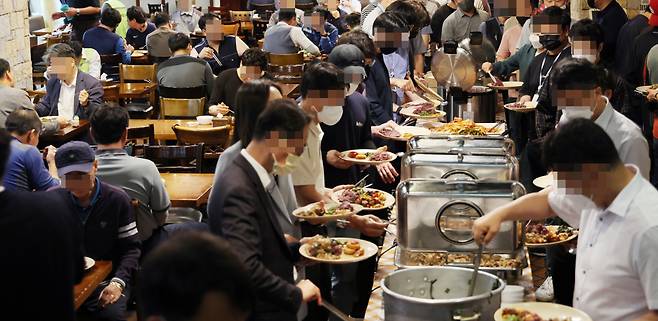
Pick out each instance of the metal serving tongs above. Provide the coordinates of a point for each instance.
(476, 268)
(335, 311)
(362, 182)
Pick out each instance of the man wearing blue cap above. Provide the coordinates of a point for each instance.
(108, 224)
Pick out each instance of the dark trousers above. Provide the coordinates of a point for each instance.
(521, 128)
(531, 165)
(320, 275)
(563, 271)
(90, 310)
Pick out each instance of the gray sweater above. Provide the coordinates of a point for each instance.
(12, 99)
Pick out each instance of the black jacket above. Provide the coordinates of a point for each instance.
(378, 92)
(241, 211)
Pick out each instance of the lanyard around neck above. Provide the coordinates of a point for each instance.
(542, 77)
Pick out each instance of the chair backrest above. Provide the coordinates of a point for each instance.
(263, 8)
(231, 27)
(146, 133)
(260, 26)
(36, 23)
(137, 73)
(110, 65)
(192, 92)
(181, 108)
(306, 7)
(111, 93)
(218, 136)
(286, 68)
(176, 158)
(241, 15)
(223, 12)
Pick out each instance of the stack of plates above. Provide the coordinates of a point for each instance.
(512, 294)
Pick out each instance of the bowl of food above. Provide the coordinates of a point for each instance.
(204, 120)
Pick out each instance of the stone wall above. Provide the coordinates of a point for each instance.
(15, 41)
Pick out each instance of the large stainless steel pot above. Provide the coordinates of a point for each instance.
(440, 294)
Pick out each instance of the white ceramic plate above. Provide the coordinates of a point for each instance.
(367, 160)
(390, 199)
(326, 218)
(89, 263)
(413, 130)
(535, 245)
(544, 181)
(643, 89)
(529, 106)
(507, 85)
(409, 112)
(546, 311)
(369, 249)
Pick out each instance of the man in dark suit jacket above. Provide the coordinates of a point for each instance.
(69, 91)
(243, 210)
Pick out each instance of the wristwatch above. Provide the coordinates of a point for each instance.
(77, 11)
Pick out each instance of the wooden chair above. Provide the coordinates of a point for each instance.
(260, 26)
(111, 93)
(139, 73)
(262, 9)
(139, 138)
(215, 139)
(110, 65)
(286, 68)
(181, 108)
(176, 159)
(231, 27)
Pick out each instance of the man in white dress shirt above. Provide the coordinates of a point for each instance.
(615, 209)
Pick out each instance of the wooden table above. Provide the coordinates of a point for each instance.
(135, 90)
(187, 189)
(90, 282)
(65, 135)
(162, 127)
(140, 57)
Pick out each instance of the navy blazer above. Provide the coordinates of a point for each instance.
(242, 212)
(48, 105)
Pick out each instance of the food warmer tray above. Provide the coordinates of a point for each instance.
(483, 145)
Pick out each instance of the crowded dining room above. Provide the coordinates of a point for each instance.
(329, 160)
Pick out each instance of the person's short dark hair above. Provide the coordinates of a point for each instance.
(353, 19)
(179, 41)
(136, 13)
(160, 19)
(280, 115)
(250, 101)
(59, 50)
(77, 47)
(556, 14)
(577, 142)
(287, 14)
(21, 121)
(576, 73)
(108, 124)
(5, 141)
(586, 29)
(321, 75)
(324, 12)
(255, 57)
(413, 12)
(390, 22)
(360, 39)
(5, 67)
(110, 17)
(177, 275)
(203, 21)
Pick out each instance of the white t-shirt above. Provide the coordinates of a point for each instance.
(310, 170)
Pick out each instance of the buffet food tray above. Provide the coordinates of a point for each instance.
(405, 259)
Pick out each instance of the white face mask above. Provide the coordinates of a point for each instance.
(591, 58)
(575, 112)
(288, 167)
(534, 41)
(351, 89)
(330, 115)
(564, 6)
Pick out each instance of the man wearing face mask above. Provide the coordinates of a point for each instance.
(459, 25)
(527, 30)
(611, 17)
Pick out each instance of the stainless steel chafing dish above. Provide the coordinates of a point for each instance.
(483, 145)
(459, 166)
(437, 215)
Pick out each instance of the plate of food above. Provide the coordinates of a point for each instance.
(539, 311)
(522, 107)
(460, 126)
(89, 263)
(403, 133)
(371, 199)
(540, 235)
(506, 85)
(421, 110)
(645, 89)
(322, 212)
(46, 119)
(368, 156)
(337, 250)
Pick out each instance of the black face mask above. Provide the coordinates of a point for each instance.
(388, 50)
(591, 4)
(550, 42)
